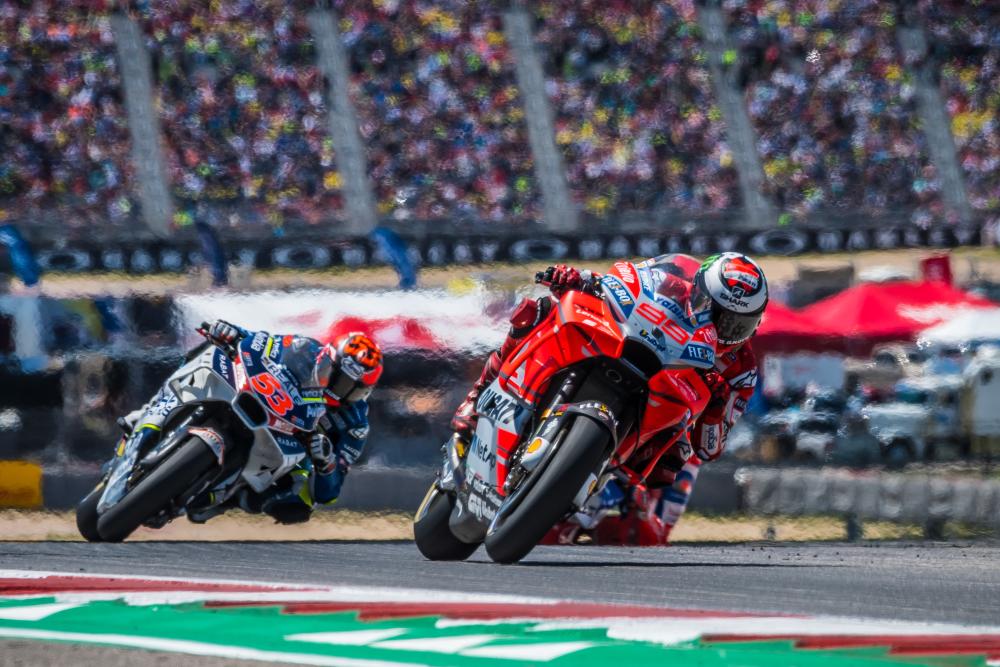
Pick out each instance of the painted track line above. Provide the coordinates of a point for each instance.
(462, 625)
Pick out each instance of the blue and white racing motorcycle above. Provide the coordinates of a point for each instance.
(231, 419)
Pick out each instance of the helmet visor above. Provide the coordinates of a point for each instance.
(700, 299)
(348, 389)
(734, 328)
(322, 370)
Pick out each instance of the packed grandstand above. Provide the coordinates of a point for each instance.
(830, 94)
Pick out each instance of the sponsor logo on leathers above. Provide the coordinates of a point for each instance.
(746, 380)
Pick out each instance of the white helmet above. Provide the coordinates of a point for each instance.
(733, 286)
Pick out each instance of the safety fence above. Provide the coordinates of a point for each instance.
(924, 499)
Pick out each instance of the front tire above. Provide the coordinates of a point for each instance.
(156, 490)
(86, 515)
(582, 452)
(431, 532)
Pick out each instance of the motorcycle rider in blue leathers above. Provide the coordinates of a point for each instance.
(348, 370)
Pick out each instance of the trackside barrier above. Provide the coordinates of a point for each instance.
(926, 500)
(20, 484)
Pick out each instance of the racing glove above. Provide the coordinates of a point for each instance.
(224, 332)
(718, 386)
(323, 454)
(562, 278)
(351, 424)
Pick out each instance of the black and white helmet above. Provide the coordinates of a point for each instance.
(733, 286)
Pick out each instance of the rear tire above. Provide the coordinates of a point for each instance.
(582, 452)
(431, 533)
(156, 490)
(86, 515)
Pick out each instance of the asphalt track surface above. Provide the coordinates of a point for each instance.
(948, 582)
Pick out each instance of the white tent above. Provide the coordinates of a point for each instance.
(978, 326)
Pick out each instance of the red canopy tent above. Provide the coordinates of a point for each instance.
(871, 313)
(786, 330)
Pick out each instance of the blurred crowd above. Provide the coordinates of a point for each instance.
(243, 108)
(635, 112)
(965, 38)
(63, 130)
(833, 106)
(439, 110)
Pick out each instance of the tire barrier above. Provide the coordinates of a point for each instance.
(903, 498)
(443, 244)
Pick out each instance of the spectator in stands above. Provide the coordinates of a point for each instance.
(833, 106)
(63, 130)
(439, 110)
(966, 48)
(635, 112)
(243, 110)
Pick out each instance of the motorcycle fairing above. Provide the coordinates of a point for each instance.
(211, 376)
(575, 330)
(580, 327)
(223, 366)
(269, 461)
(678, 338)
(194, 382)
(622, 299)
(262, 354)
(502, 417)
(664, 410)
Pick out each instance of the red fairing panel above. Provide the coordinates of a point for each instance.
(579, 327)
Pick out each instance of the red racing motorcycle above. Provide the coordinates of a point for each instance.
(576, 403)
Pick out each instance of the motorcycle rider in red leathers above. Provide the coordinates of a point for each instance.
(733, 286)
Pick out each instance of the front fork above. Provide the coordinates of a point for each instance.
(531, 452)
(123, 464)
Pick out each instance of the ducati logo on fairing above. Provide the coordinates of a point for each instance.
(496, 406)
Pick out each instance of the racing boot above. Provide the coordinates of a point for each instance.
(128, 422)
(528, 314)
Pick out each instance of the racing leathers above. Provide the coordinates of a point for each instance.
(737, 369)
(336, 443)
